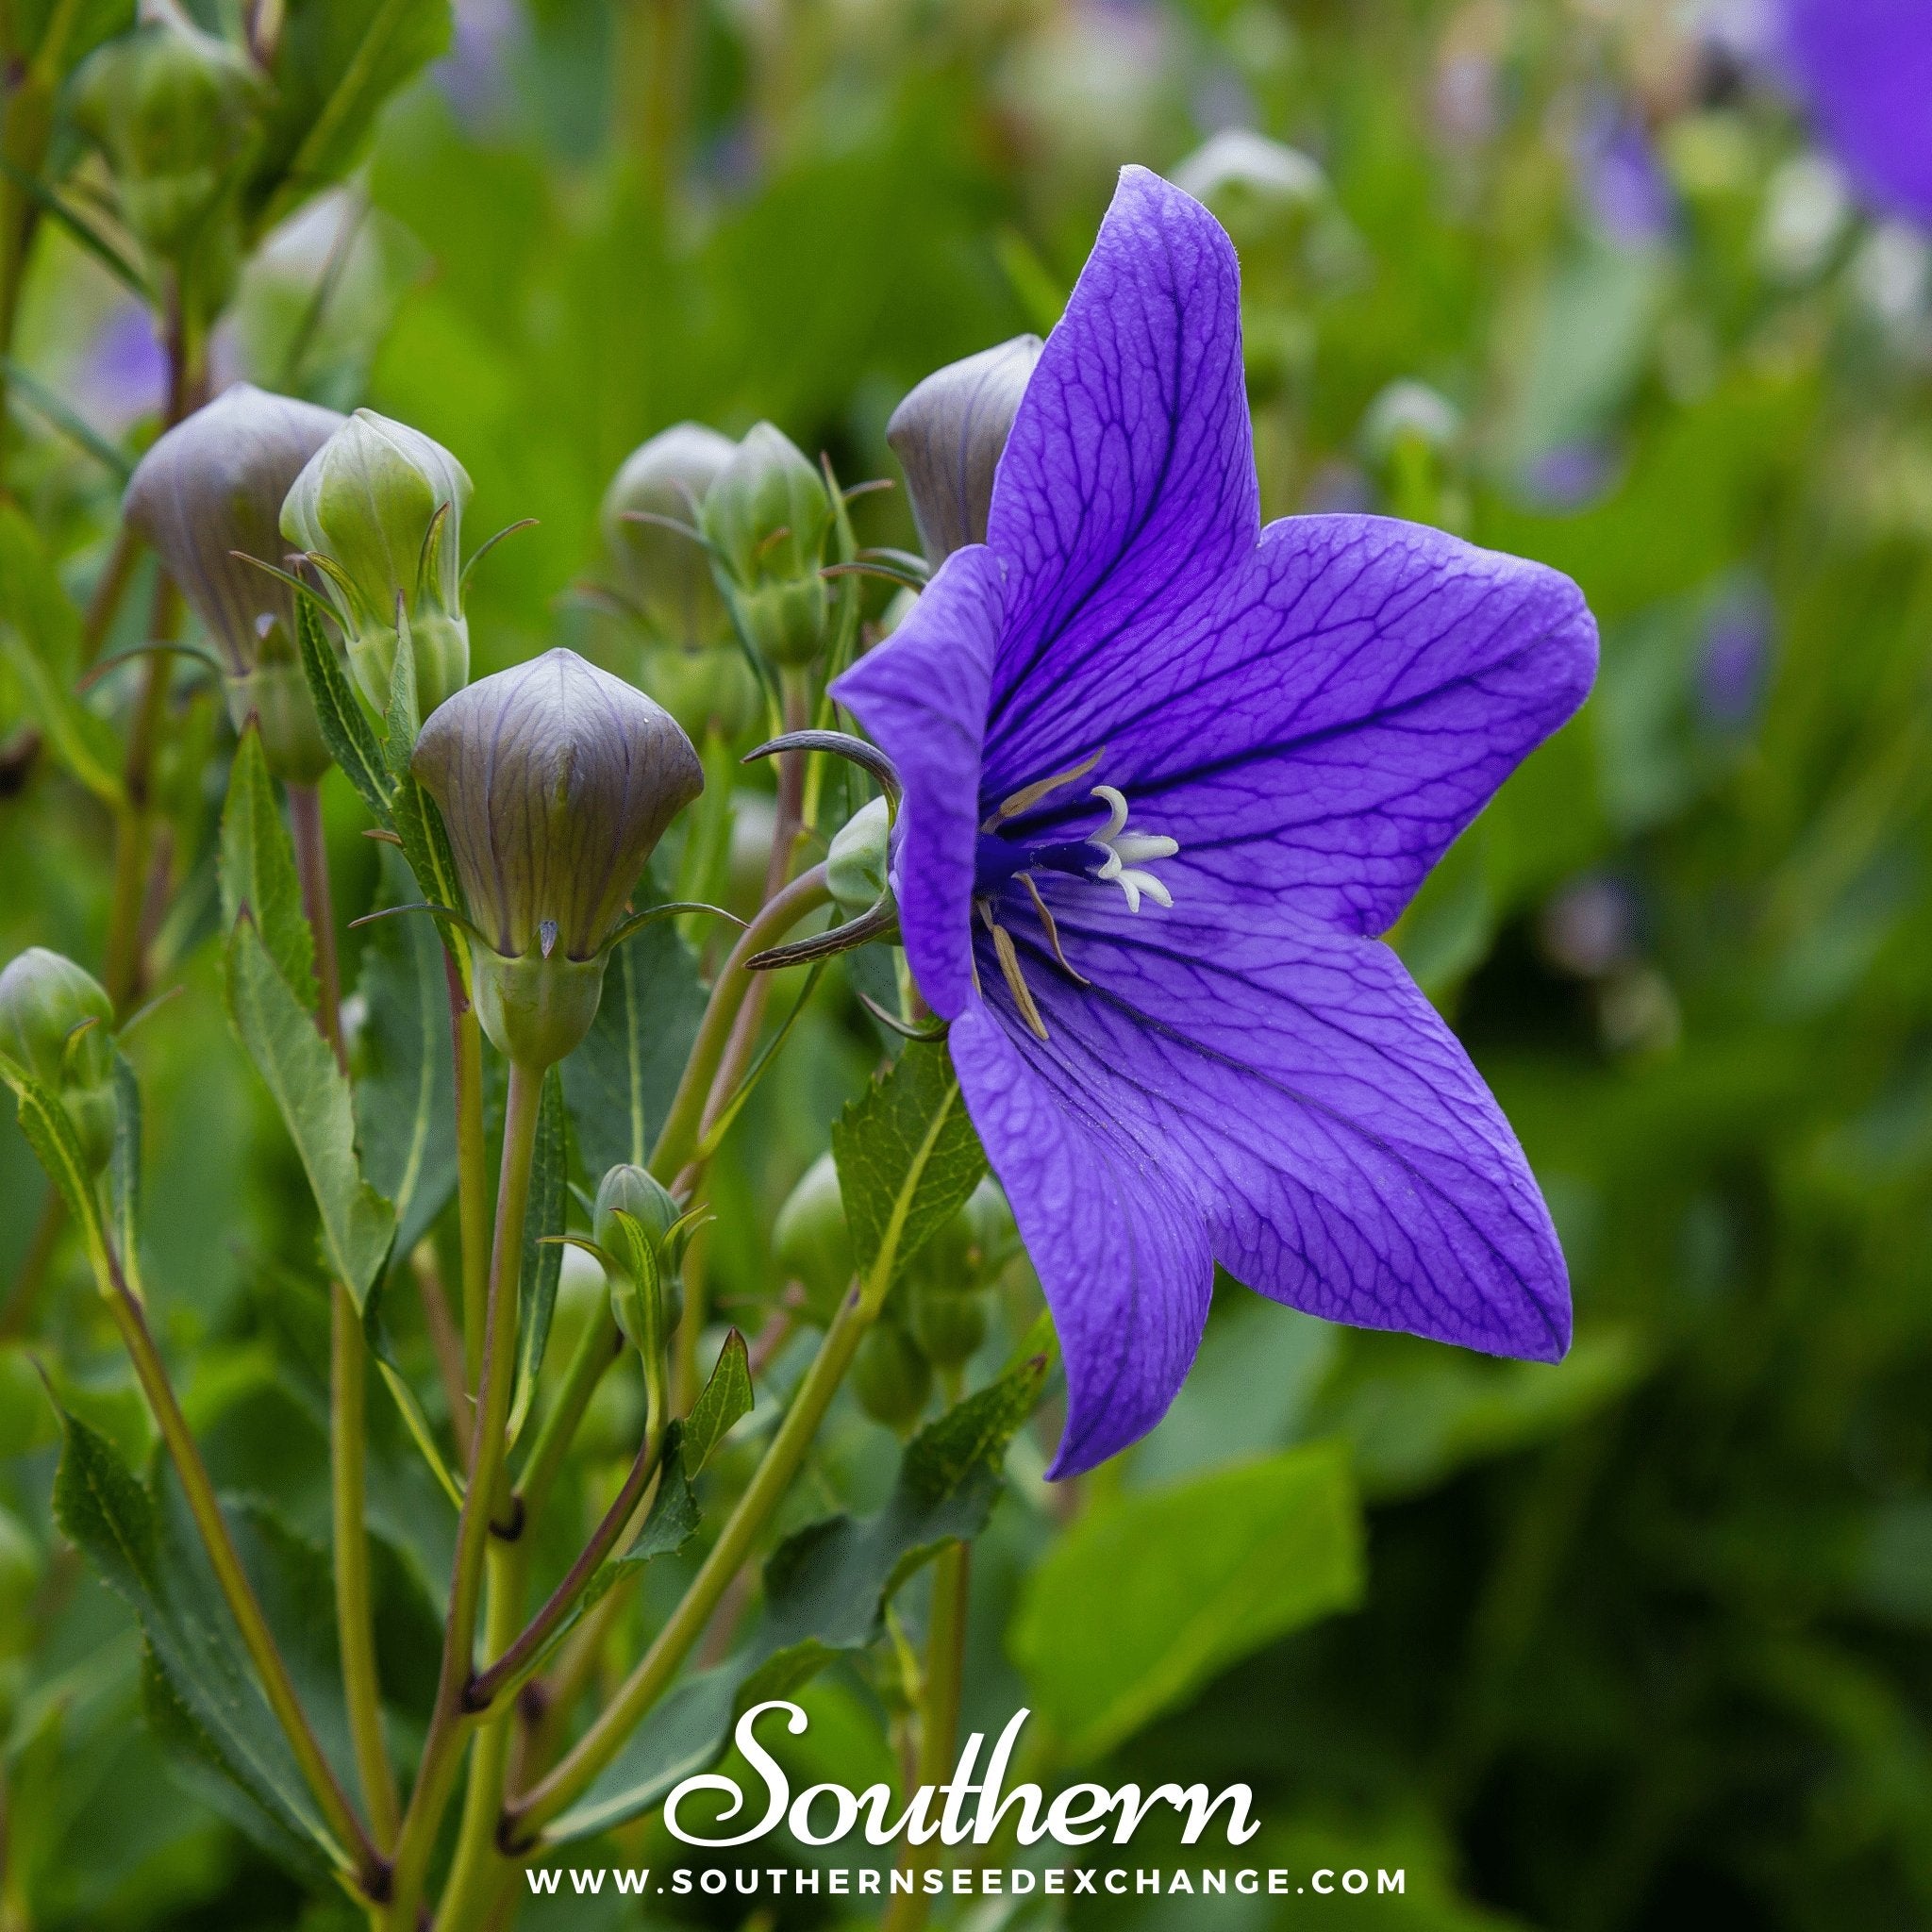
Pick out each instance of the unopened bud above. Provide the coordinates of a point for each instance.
(857, 863)
(767, 516)
(949, 434)
(666, 576)
(556, 781)
(947, 1324)
(892, 1376)
(712, 689)
(56, 1023)
(381, 509)
(809, 1240)
(966, 1252)
(212, 486)
(172, 109)
(632, 1221)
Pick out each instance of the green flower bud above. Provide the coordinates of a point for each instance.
(966, 1252)
(556, 781)
(214, 485)
(855, 865)
(633, 1216)
(947, 1324)
(768, 516)
(892, 1376)
(56, 1023)
(949, 434)
(810, 1241)
(174, 110)
(667, 576)
(710, 689)
(382, 507)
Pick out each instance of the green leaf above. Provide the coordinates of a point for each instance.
(907, 1158)
(825, 1594)
(543, 1260)
(724, 1399)
(1185, 1580)
(259, 869)
(382, 1346)
(124, 1171)
(337, 63)
(345, 728)
(47, 1130)
(403, 1070)
(201, 1695)
(620, 1080)
(358, 1224)
(401, 718)
(425, 844)
(40, 632)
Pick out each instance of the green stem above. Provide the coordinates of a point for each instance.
(938, 1718)
(473, 1178)
(237, 1591)
(450, 1721)
(524, 1817)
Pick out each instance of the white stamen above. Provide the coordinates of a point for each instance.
(1127, 853)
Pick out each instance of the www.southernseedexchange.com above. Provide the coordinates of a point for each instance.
(778, 1881)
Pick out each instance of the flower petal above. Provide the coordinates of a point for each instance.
(1324, 727)
(1866, 66)
(921, 698)
(1345, 1154)
(1128, 487)
(1117, 1243)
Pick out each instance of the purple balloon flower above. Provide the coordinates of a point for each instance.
(1167, 775)
(1866, 68)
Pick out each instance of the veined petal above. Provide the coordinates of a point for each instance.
(1128, 487)
(921, 697)
(1344, 1153)
(1323, 729)
(1118, 1242)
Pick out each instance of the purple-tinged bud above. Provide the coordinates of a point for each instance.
(668, 577)
(949, 435)
(381, 509)
(56, 1023)
(174, 110)
(213, 484)
(556, 781)
(768, 517)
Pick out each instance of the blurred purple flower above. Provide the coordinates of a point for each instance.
(1734, 664)
(1567, 476)
(1167, 775)
(123, 374)
(1623, 186)
(1865, 70)
(474, 77)
(1590, 927)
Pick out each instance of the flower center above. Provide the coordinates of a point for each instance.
(1108, 855)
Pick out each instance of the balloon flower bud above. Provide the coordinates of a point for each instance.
(892, 1376)
(636, 1222)
(380, 511)
(666, 576)
(856, 864)
(810, 1241)
(174, 110)
(55, 1023)
(768, 516)
(212, 486)
(556, 781)
(949, 434)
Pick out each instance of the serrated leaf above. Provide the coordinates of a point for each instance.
(124, 1171)
(345, 729)
(337, 63)
(1185, 1580)
(257, 869)
(46, 1129)
(40, 631)
(542, 1259)
(425, 844)
(825, 1592)
(403, 1073)
(907, 1158)
(725, 1398)
(202, 1690)
(294, 1060)
(620, 1080)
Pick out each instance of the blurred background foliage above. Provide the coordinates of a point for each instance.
(1643, 1641)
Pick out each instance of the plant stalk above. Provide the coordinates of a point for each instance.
(938, 1719)
(472, 1177)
